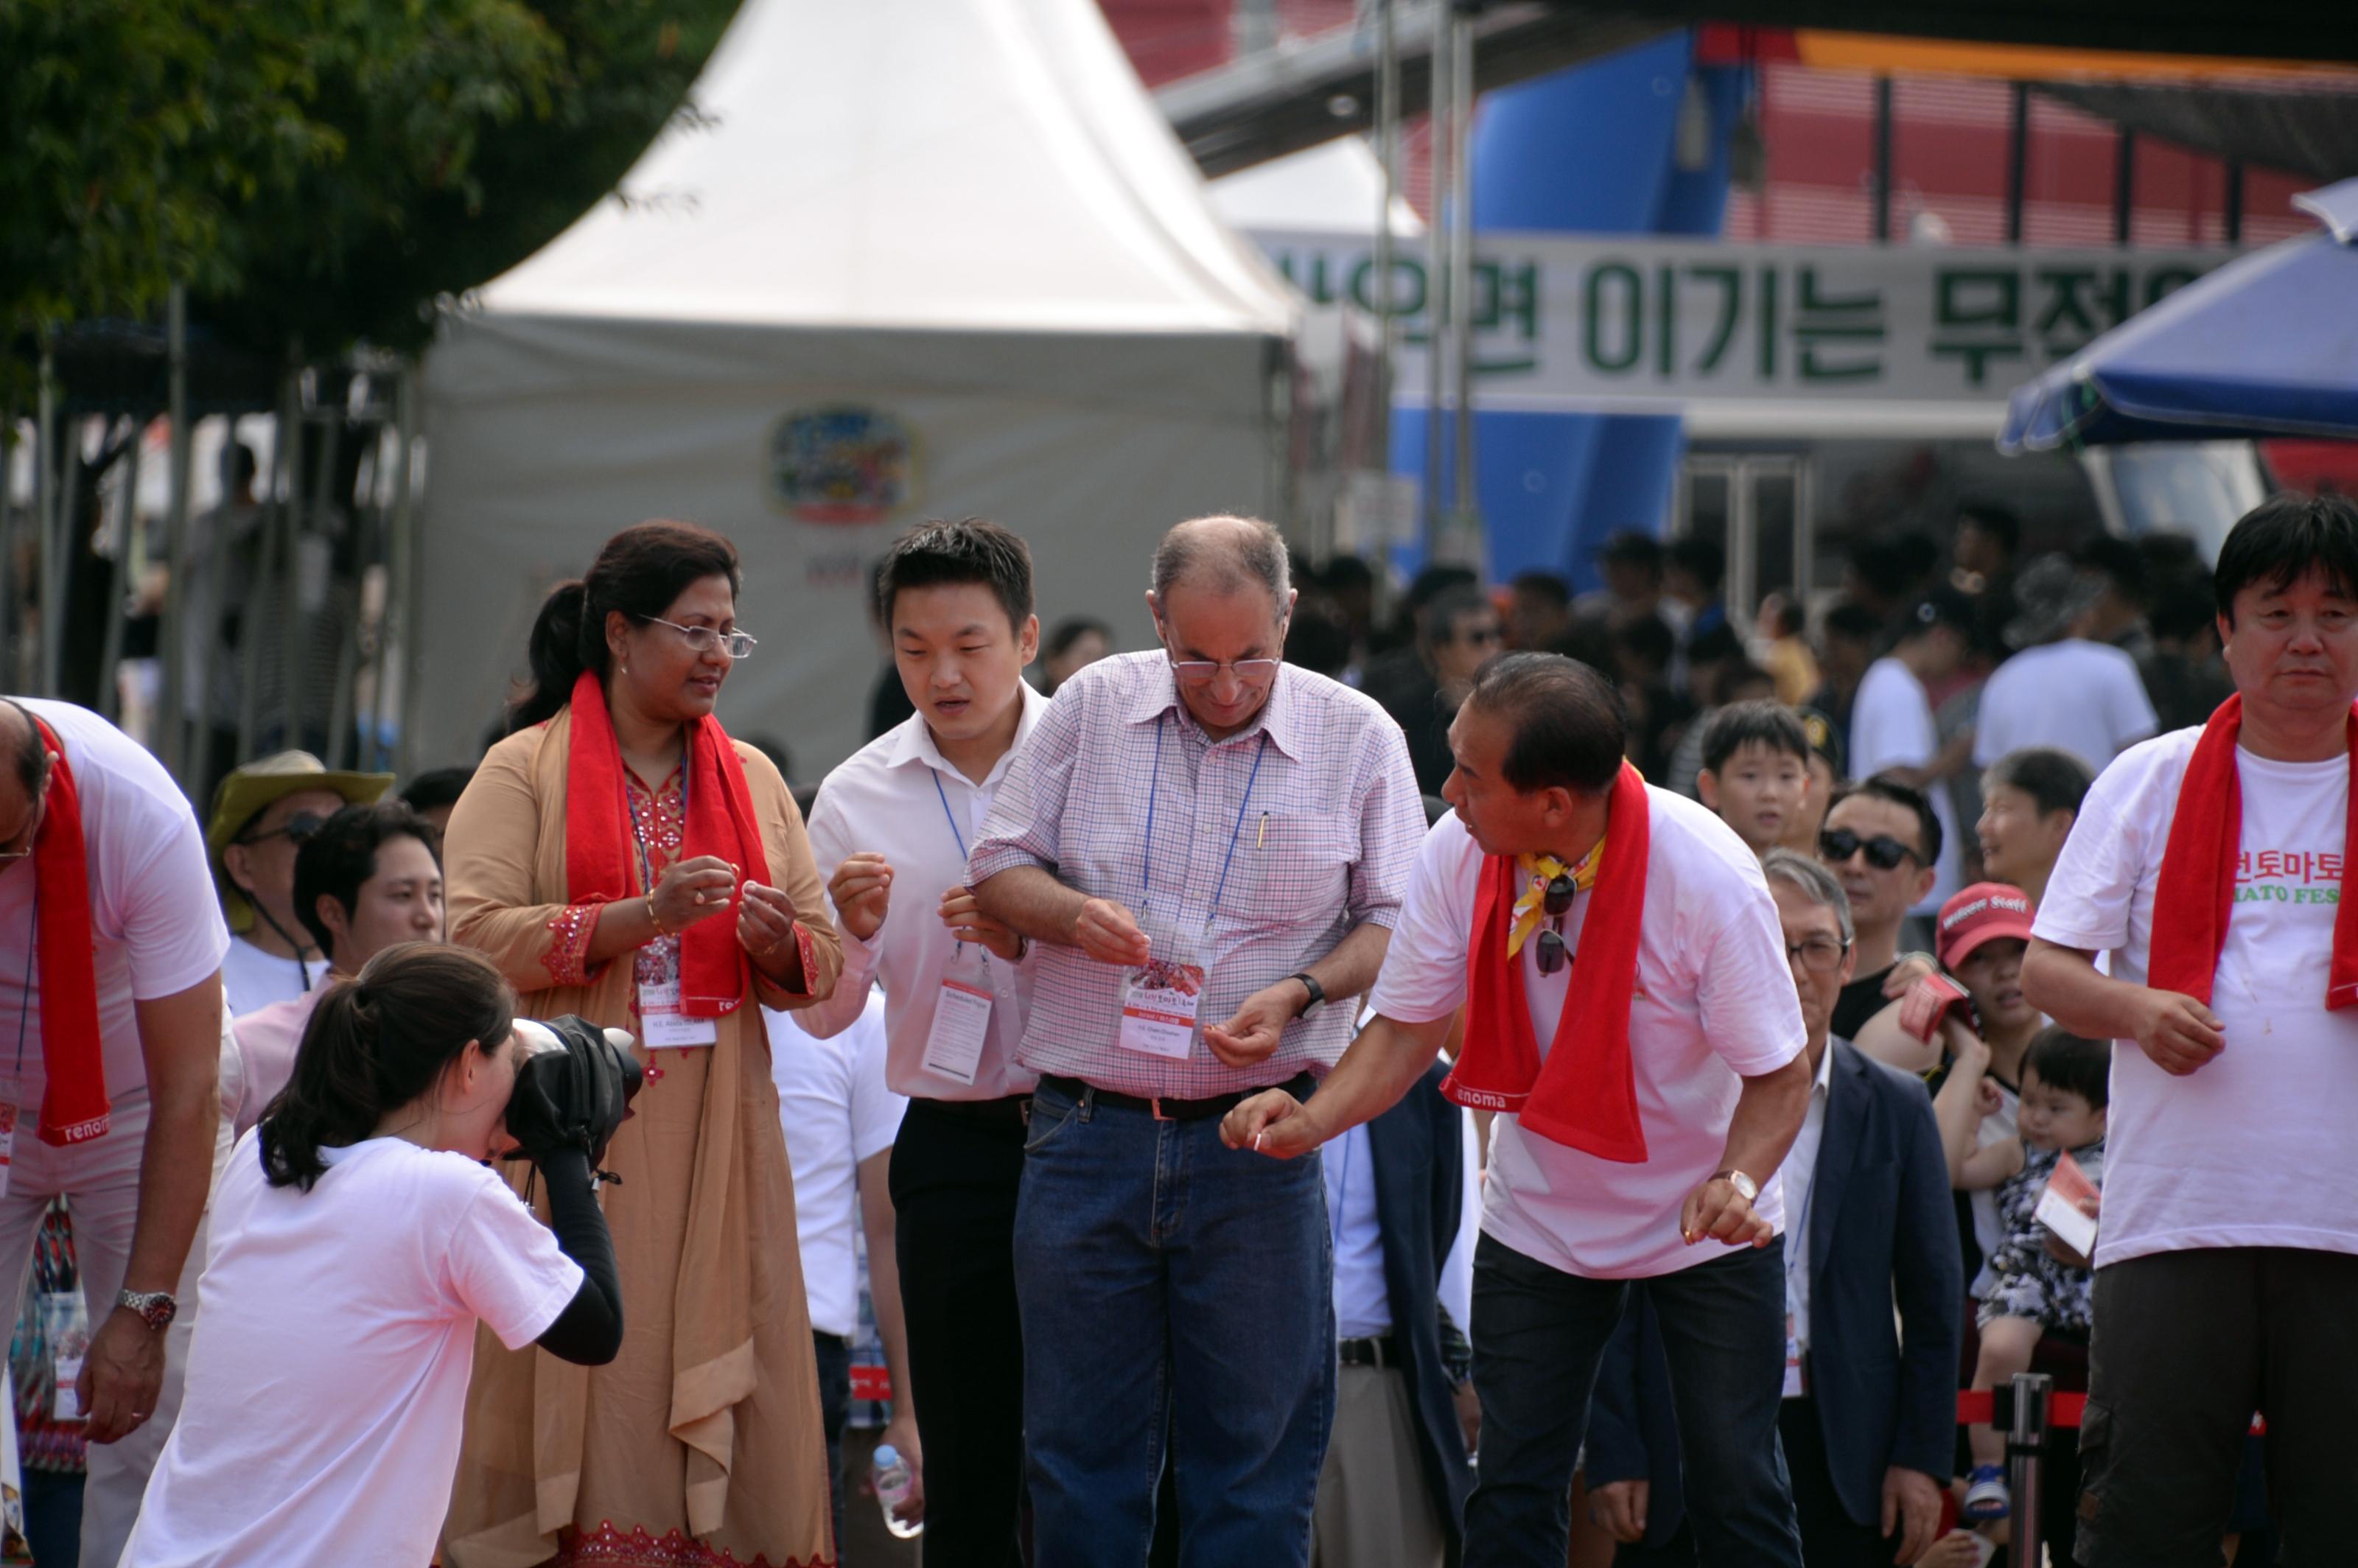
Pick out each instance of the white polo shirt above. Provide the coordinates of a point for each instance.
(1716, 1002)
(898, 797)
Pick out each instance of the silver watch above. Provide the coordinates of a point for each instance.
(155, 1308)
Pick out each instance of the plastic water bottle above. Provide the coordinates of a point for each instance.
(891, 1473)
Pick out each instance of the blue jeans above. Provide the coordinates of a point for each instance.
(1169, 1285)
(1539, 1333)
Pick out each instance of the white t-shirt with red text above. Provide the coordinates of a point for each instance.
(2251, 1147)
(326, 1383)
(1715, 1001)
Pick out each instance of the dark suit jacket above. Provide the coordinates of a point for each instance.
(1880, 1229)
(1420, 1189)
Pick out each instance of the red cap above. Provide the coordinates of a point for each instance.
(1981, 912)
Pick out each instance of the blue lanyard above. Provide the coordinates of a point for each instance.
(944, 796)
(1146, 860)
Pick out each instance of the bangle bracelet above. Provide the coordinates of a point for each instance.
(653, 918)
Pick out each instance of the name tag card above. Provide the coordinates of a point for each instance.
(960, 1029)
(1158, 1007)
(663, 1026)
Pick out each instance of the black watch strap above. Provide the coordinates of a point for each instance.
(1317, 993)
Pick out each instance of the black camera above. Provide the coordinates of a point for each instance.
(573, 1088)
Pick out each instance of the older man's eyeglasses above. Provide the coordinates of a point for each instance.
(1555, 904)
(1819, 954)
(1882, 852)
(704, 639)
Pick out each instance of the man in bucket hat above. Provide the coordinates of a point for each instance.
(262, 812)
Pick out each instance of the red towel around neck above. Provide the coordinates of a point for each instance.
(1584, 1096)
(2196, 894)
(74, 1107)
(601, 859)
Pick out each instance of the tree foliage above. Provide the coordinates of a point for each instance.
(317, 170)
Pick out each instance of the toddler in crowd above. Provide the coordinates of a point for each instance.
(2032, 1290)
(1756, 771)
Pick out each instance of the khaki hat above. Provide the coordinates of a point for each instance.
(247, 792)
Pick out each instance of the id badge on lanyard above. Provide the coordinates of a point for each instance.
(962, 1024)
(664, 1022)
(1160, 998)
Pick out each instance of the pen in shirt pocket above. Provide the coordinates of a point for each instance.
(1263, 833)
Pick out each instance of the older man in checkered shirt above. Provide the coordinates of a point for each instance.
(1197, 830)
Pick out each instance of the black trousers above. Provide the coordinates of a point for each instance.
(956, 1175)
(1830, 1537)
(833, 1354)
(2187, 1345)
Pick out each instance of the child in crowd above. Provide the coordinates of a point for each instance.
(1756, 762)
(2033, 1288)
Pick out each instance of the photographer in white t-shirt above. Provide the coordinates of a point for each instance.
(357, 1239)
(2228, 1258)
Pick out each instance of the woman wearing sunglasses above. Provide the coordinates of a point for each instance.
(620, 857)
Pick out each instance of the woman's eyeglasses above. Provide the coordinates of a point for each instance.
(704, 639)
(1882, 852)
(1556, 902)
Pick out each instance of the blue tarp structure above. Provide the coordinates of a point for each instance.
(2266, 346)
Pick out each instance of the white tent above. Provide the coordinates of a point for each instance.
(1334, 187)
(909, 258)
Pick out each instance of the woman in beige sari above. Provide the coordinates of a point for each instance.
(619, 857)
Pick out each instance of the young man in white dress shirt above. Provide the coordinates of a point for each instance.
(895, 823)
(1693, 1095)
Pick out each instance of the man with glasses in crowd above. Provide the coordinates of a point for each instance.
(109, 942)
(1627, 996)
(1210, 849)
(262, 812)
(1462, 628)
(1867, 1419)
(1882, 841)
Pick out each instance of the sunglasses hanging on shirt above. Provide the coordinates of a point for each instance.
(1551, 954)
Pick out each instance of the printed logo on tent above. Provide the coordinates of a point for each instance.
(841, 463)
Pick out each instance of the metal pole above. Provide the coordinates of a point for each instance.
(2232, 206)
(1388, 116)
(298, 534)
(1882, 160)
(110, 659)
(1461, 276)
(390, 616)
(1436, 273)
(2026, 1445)
(2124, 188)
(172, 636)
(2018, 162)
(285, 440)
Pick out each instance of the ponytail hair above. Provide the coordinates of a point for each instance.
(375, 1044)
(641, 572)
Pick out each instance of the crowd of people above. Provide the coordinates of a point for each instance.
(1309, 1091)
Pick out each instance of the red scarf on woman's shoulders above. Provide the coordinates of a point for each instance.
(599, 862)
(2196, 893)
(1584, 1093)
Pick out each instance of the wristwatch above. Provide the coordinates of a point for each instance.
(1317, 994)
(1745, 1186)
(157, 1309)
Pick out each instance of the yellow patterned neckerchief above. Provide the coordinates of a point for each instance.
(1531, 907)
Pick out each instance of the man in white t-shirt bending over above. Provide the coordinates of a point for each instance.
(2228, 1258)
(1628, 997)
(112, 947)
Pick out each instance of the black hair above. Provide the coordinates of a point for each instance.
(1996, 519)
(1735, 675)
(1540, 583)
(334, 861)
(435, 788)
(2185, 607)
(1649, 638)
(1720, 643)
(2285, 538)
(32, 758)
(1855, 622)
(1631, 548)
(377, 1042)
(1441, 616)
(1428, 584)
(1741, 724)
(1883, 787)
(1316, 640)
(2072, 1063)
(1570, 728)
(1701, 559)
(970, 550)
(1885, 568)
(2120, 563)
(1346, 572)
(1793, 618)
(640, 572)
(1071, 630)
(2054, 779)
